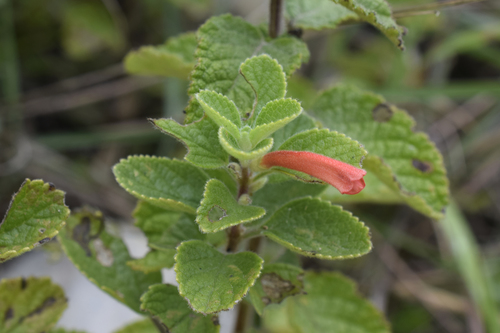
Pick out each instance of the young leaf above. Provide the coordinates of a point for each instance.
(153, 261)
(163, 301)
(274, 116)
(330, 304)
(36, 214)
(30, 305)
(406, 161)
(219, 209)
(300, 124)
(102, 258)
(201, 140)
(221, 110)
(175, 58)
(267, 79)
(379, 14)
(317, 14)
(165, 229)
(212, 281)
(232, 147)
(141, 326)
(276, 282)
(224, 43)
(166, 183)
(315, 228)
(225, 176)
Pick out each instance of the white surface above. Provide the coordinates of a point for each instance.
(90, 309)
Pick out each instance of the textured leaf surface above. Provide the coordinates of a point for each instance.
(141, 326)
(324, 142)
(102, 258)
(317, 14)
(153, 261)
(379, 14)
(221, 110)
(174, 58)
(331, 304)
(30, 305)
(276, 282)
(232, 147)
(201, 140)
(164, 302)
(219, 209)
(274, 116)
(406, 161)
(316, 228)
(36, 214)
(63, 330)
(166, 183)
(225, 42)
(212, 281)
(267, 79)
(300, 124)
(165, 229)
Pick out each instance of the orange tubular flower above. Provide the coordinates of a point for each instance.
(344, 177)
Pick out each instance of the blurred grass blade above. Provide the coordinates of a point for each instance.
(470, 265)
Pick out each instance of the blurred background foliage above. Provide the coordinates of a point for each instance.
(69, 112)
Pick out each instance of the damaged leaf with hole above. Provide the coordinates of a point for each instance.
(103, 258)
(277, 281)
(30, 305)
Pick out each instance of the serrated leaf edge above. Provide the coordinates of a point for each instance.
(317, 255)
(240, 154)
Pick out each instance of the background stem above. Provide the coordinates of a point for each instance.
(276, 15)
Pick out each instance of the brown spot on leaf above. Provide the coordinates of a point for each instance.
(46, 304)
(382, 113)
(52, 187)
(43, 241)
(275, 286)
(215, 320)
(24, 283)
(9, 314)
(425, 167)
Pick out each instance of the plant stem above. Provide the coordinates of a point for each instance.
(235, 233)
(241, 321)
(275, 18)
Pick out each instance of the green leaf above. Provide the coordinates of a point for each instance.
(275, 115)
(166, 183)
(219, 209)
(317, 14)
(267, 79)
(324, 142)
(36, 214)
(165, 229)
(232, 147)
(315, 228)
(153, 261)
(300, 124)
(221, 110)
(331, 304)
(30, 305)
(375, 191)
(276, 282)
(102, 258)
(226, 177)
(406, 161)
(212, 281)
(379, 14)
(141, 326)
(224, 43)
(164, 302)
(175, 58)
(201, 140)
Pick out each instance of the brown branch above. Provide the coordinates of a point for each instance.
(276, 14)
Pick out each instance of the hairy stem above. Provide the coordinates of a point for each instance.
(235, 232)
(275, 18)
